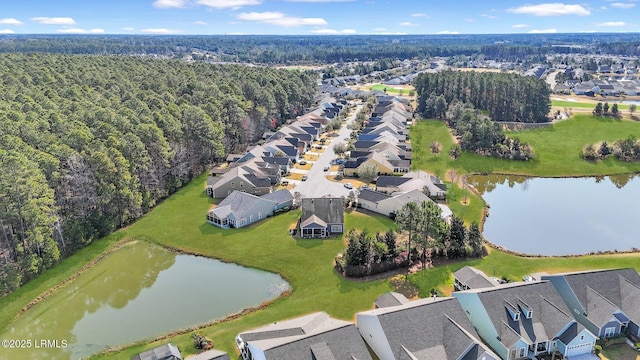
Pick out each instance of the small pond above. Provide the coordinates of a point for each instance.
(139, 291)
(561, 216)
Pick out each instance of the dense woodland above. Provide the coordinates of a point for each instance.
(90, 143)
(506, 97)
(270, 49)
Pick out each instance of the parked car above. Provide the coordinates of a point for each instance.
(348, 185)
(326, 168)
(340, 161)
(302, 162)
(304, 178)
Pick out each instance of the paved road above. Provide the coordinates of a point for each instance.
(317, 184)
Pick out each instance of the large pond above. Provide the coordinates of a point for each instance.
(566, 216)
(137, 292)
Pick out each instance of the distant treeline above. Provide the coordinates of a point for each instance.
(271, 49)
(505, 96)
(90, 143)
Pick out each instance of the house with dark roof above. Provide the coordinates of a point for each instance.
(212, 354)
(607, 302)
(241, 209)
(425, 329)
(389, 299)
(321, 217)
(471, 278)
(311, 337)
(522, 320)
(162, 352)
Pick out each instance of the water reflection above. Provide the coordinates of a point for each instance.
(137, 292)
(561, 216)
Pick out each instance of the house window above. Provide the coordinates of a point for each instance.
(609, 332)
(513, 354)
(522, 352)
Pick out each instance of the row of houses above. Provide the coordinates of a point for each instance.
(626, 87)
(383, 140)
(562, 315)
(259, 169)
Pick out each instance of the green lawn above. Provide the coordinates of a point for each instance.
(390, 89)
(557, 149)
(586, 105)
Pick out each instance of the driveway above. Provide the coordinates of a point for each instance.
(317, 184)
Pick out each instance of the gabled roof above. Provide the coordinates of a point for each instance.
(550, 314)
(238, 204)
(327, 210)
(428, 328)
(212, 354)
(474, 278)
(373, 196)
(162, 352)
(389, 299)
(315, 336)
(278, 160)
(391, 181)
(278, 196)
(620, 287)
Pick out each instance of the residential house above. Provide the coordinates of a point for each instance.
(607, 302)
(389, 299)
(211, 355)
(240, 209)
(248, 178)
(321, 217)
(522, 320)
(389, 205)
(163, 352)
(425, 329)
(471, 278)
(411, 181)
(312, 337)
(381, 161)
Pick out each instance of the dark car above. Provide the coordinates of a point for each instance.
(304, 178)
(326, 168)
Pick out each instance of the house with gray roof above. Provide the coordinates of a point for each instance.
(240, 209)
(389, 205)
(311, 337)
(212, 354)
(162, 352)
(321, 217)
(471, 278)
(425, 329)
(390, 299)
(523, 320)
(607, 302)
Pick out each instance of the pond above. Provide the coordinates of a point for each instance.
(561, 216)
(139, 291)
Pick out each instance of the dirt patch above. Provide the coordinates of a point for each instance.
(404, 287)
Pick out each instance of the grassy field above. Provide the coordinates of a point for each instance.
(557, 149)
(585, 105)
(393, 89)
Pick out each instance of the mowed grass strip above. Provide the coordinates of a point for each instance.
(586, 105)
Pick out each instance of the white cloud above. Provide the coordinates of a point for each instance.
(280, 19)
(551, 9)
(200, 22)
(612, 23)
(80, 31)
(543, 31)
(470, 20)
(165, 4)
(604, 7)
(447, 32)
(228, 4)
(489, 16)
(54, 20)
(623, 5)
(407, 23)
(159, 31)
(6, 31)
(334, 32)
(520, 26)
(128, 29)
(10, 21)
(418, 15)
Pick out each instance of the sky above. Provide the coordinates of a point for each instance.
(316, 17)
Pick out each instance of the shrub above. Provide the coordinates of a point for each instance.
(202, 342)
